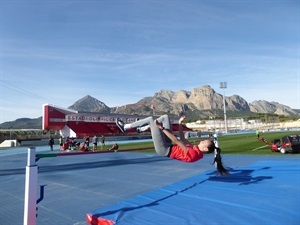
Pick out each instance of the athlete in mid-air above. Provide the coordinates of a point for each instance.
(167, 144)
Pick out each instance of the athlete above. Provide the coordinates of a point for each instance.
(167, 144)
(114, 147)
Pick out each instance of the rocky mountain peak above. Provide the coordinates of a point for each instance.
(89, 104)
(200, 101)
(262, 106)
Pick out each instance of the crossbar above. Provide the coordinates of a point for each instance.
(48, 155)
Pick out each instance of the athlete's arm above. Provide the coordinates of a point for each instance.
(174, 139)
(171, 136)
(181, 134)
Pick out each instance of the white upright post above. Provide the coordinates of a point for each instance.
(30, 189)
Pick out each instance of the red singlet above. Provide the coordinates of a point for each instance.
(193, 154)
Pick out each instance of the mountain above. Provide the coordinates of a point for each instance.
(262, 106)
(200, 102)
(23, 123)
(89, 104)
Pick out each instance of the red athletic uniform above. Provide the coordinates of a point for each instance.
(193, 154)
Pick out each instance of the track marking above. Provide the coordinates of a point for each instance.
(260, 147)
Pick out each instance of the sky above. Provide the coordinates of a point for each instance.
(120, 51)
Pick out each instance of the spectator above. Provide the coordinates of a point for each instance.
(102, 139)
(83, 147)
(95, 141)
(72, 143)
(87, 141)
(257, 133)
(51, 143)
(60, 142)
(66, 145)
(114, 147)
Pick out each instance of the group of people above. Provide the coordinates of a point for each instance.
(67, 144)
(95, 142)
(72, 144)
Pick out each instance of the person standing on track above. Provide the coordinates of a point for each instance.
(102, 140)
(51, 143)
(95, 142)
(257, 133)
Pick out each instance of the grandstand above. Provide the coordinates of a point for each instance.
(78, 124)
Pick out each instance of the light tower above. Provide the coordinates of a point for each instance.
(223, 85)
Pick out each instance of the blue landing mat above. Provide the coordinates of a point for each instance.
(266, 192)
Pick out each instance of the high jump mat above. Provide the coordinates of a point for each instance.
(262, 193)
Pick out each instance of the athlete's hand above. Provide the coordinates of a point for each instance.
(182, 118)
(159, 124)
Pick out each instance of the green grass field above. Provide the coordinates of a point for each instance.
(234, 144)
(248, 143)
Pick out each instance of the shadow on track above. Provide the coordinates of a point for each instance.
(86, 165)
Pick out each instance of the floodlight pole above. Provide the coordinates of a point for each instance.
(223, 85)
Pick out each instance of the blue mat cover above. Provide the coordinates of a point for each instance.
(267, 192)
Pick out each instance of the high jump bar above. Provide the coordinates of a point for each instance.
(48, 155)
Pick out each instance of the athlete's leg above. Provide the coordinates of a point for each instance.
(138, 123)
(161, 143)
(161, 146)
(165, 120)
